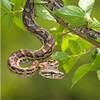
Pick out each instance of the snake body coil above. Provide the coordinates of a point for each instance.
(38, 58)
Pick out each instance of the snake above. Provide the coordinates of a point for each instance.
(39, 59)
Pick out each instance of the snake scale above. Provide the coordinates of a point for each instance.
(38, 58)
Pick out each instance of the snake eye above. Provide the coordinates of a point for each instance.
(49, 61)
(52, 72)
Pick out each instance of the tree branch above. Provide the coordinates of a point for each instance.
(80, 31)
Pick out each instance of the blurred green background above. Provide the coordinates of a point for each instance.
(37, 87)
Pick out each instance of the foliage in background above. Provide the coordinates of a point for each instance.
(76, 16)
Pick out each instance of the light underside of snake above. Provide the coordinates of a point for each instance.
(38, 58)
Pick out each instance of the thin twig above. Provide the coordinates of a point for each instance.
(85, 52)
(65, 33)
(19, 11)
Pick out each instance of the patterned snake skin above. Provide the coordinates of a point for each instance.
(38, 58)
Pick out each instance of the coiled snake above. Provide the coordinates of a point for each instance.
(39, 58)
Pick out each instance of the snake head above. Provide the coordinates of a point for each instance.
(49, 69)
(51, 73)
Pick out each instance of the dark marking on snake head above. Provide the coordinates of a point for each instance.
(24, 59)
(13, 67)
(30, 69)
(19, 73)
(8, 64)
(20, 60)
(21, 70)
(30, 73)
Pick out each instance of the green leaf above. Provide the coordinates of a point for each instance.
(86, 4)
(56, 31)
(71, 36)
(70, 63)
(85, 45)
(56, 35)
(70, 13)
(6, 3)
(79, 73)
(98, 74)
(88, 13)
(9, 20)
(18, 21)
(60, 28)
(3, 9)
(61, 56)
(39, 1)
(5, 6)
(43, 13)
(94, 25)
(95, 19)
(95, 52)
(78, 22)
(64, 44)
(96, 63)
(75, 47)
(59, 39)
(2, 16)
(18, 4)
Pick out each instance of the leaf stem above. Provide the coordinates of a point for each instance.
(84, 52)
(65, 33)
(19, 11)
(87, 24)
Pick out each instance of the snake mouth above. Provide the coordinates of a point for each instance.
(52, 74)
